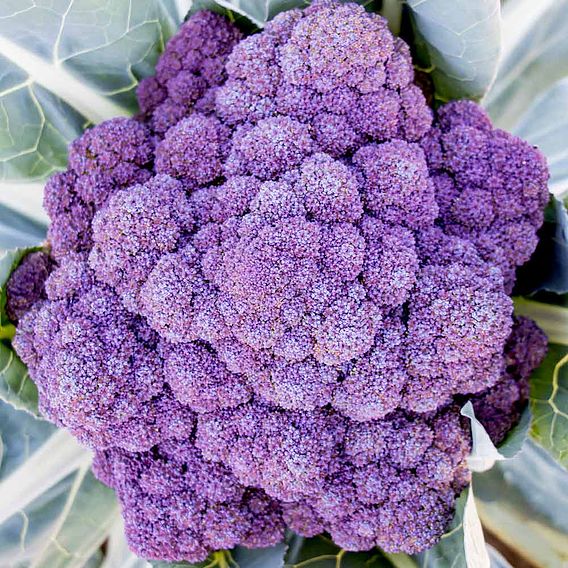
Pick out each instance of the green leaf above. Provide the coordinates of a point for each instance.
(118, 555)
(515, 439)
(53, 512)
(16, 386)
(9, 261)
(321, 552)
(272, 557)
(545, 125)
(68, 64)
(232, 11)
(83, 525)
(547, 268)
(17, 230)
(25, 198)
(258, 12)
(21, 435)
(458, 41)
(549, 403)
(523, 503)
(534, 57)
(552, 319)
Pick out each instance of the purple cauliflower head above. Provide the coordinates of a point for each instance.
(270, 292)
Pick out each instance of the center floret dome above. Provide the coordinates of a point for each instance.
(280, 282)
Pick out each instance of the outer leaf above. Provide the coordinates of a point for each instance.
(53, 513)
(549, 403)
(516, 437)
(56, 459)
(523, 503)
(548, 267)
(534, 57)
(25, 198)
(83, 525)
(552, 319)
(17, 230)
(459, 41)
(66, 64)
(21, 435)
(258, 12)
(272, 557)
(230, 10)
(545, 125)
(239, 557)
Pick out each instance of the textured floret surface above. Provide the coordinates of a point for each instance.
(269, 293)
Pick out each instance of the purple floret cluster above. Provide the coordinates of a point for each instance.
(269, 293)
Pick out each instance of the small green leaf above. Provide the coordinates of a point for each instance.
(549, 403)
(458, 42)
(9, 261)
(67, 65)
(21, 435)
(16, 386)
(534, 57)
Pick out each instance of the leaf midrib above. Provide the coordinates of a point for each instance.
(58, 80)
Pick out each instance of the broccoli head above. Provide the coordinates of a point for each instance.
(270, 292)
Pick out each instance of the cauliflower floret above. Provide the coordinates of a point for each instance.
(267, 295)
